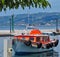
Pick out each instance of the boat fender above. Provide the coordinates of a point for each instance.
(39, 45)
(56, 43)
(51, 45)
(27, 43)
(47, 46)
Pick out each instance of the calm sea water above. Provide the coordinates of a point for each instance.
(55, 53)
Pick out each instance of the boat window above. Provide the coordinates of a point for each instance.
(45, 38)
(23, 38)
(40, 38)
(31, 38)
(37, 39)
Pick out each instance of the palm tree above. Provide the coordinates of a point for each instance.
(23, 3)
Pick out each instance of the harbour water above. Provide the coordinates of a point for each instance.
(54, 53)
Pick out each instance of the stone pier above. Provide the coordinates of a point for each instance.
(7, 48)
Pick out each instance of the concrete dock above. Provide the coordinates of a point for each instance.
(7, 48)
(4, 33)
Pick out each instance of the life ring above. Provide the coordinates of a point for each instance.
(39, 45)
(27, 43)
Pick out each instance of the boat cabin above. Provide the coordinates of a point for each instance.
(35, 35)
(34, 38)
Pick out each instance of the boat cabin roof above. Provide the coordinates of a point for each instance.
(32, 33)
(31, 36)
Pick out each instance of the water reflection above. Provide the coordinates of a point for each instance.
(46, 54)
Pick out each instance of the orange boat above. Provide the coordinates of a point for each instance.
(33, 42)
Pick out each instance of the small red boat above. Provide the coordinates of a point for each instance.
(36, 38)
(34, 41)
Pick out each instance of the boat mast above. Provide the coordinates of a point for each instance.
(12, 24)
(57, 30)
(27, 21)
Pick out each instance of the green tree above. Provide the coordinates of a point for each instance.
(23, 3)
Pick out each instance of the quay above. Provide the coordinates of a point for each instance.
(4, 33)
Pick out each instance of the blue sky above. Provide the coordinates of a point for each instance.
(55, 7)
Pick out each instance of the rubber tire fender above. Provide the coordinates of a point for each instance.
(39, 45)
(27, 43)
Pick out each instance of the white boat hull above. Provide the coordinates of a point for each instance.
(20, 48)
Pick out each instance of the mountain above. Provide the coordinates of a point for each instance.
(42, 18)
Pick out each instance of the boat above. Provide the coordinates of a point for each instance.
(57, 32)
(32, 43)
